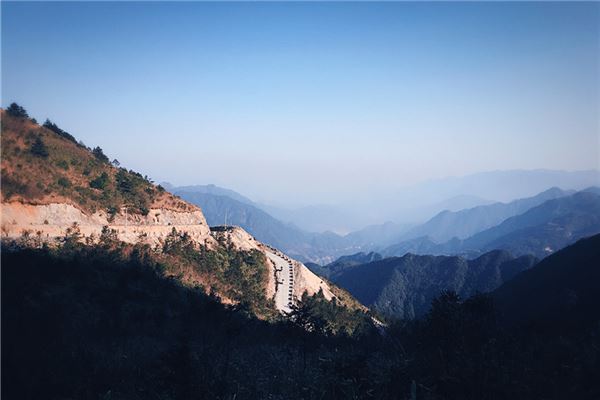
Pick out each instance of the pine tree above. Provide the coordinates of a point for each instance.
(38, 148)
(16, 110)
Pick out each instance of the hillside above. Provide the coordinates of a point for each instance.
(566, 288)
(44, 166)
(56, 191)
(403, 287)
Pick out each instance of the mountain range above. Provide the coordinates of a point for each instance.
(462, 232)
(540, 230)
(403, 287)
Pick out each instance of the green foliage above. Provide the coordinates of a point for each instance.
(99, 154)
(38, 148)
(100, 182)
(316, 314)
(54, 128)
(124, 182)
(63, 164)
(16, 111)
(241, 275)
(64, 182)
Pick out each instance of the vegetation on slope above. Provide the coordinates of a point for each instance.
(42, 164)
(83, 322)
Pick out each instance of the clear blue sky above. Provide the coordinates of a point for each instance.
(312, 102)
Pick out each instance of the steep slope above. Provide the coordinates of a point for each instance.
(562, 290)
(57, 191)
(403, 287)
(50, 182)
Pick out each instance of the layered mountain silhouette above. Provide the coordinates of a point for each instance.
(306, 246)
(465, 223)
(540, 230)
(403, 287)
(469, 232)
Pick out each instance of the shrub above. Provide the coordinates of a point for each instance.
(17, 111)
(54, 128)
(100, 182)
(124, 182)
(63, 164)
(64, 182)
(38, 148)
(99, 154)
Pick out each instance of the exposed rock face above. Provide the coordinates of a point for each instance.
(307, 281)
(52, 221)
(304, 279)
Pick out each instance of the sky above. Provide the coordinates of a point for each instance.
(304, 103)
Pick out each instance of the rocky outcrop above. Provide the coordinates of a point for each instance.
(50, 221)
(307, 281)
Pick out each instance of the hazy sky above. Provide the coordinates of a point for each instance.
(312, 102)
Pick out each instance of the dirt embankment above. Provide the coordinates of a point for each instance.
(49, 221)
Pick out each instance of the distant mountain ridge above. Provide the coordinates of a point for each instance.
(465, 223)
(540, 230)
(306, 246)
(403, 287)
(210, 189)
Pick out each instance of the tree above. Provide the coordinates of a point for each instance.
(100, 182)
(38, 148)
(124, 182)
(99, 154)
(54, 128)
(17, 111)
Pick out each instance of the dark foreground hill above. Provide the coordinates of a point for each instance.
(86, 323)
(564, 286)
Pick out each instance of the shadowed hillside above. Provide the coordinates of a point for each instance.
(403, 287)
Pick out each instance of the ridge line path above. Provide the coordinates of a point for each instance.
(284, 274)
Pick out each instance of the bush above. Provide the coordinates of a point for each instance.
(124, 182)
(63, 164)
(99, 154)
(52, 126)
(64, 182)
(17, 111)
(100, 182)
(38, 148)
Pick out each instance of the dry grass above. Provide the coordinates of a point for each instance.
(64, 176)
